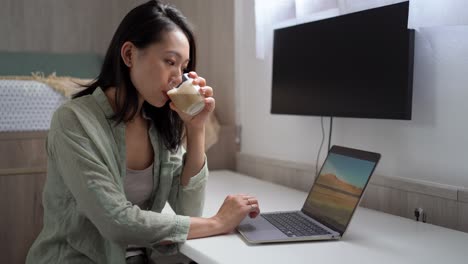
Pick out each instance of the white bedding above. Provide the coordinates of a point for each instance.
(27, 105)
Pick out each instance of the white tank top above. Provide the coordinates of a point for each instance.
(138, 185)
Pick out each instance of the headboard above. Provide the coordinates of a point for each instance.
(83, 65)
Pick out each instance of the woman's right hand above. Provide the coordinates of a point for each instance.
(234, 209)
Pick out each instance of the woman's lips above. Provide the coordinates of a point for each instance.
(165, 95)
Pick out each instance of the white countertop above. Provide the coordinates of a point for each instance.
(372, 237)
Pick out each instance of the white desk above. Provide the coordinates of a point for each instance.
(372, 237)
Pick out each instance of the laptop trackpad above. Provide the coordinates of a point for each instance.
(259, 229)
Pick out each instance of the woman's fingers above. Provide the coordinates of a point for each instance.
(206, 91)
(254, 212)
(252, 205)
(197, 80)
(235, 208)
(210, 104)
(192, 74)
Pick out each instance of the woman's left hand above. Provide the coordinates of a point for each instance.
(198, 121)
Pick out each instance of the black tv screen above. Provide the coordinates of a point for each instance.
(354, 65)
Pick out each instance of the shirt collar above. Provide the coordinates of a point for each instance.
(105, 105)
(103, 102)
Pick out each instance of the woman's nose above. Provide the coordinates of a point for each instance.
(175, 80)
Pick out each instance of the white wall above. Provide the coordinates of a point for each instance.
(433, 146)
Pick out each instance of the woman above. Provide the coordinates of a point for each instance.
(115, 156)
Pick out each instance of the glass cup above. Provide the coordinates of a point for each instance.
(186, 96)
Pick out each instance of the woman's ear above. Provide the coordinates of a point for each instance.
(126, 52)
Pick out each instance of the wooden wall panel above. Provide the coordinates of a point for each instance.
(463, 216)
(21, 220)
(23, 162)
(59, 26)
(439, 211)
(88, 26)
(220, 154)
(389, 200)
(295, 175)
(213, 23)
(22, 150)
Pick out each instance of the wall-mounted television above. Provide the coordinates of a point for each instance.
(354, 65)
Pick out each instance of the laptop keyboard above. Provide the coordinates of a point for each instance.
(294, 224)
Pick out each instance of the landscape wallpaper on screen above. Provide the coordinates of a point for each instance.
(338, 188)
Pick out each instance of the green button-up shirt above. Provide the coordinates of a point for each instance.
(87, 218)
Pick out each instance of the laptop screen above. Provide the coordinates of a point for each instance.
(339, 186)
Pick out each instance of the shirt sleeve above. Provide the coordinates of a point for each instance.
(190, 199)
(87, 167)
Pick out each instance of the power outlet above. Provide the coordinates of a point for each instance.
(420, 214)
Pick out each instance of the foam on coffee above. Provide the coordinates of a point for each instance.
(187, 97)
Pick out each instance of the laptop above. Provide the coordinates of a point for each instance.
(329, 206)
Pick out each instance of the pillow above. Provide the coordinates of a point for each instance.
(65, 85)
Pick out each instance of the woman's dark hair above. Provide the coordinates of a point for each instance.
(143, 26)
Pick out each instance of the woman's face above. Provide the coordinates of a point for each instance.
(158, 67)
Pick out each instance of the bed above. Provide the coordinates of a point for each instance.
(27, 102)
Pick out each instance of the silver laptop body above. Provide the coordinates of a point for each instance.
(329, 206)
